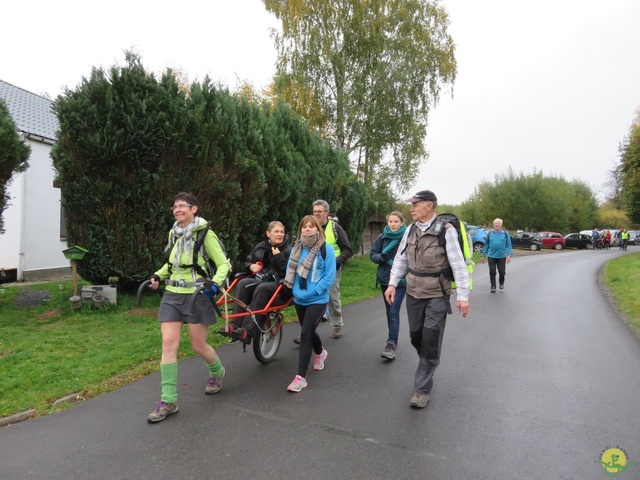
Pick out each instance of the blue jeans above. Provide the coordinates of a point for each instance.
(393, 313)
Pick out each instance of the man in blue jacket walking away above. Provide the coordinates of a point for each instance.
(498, 248)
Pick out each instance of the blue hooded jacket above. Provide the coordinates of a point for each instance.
(321, 277)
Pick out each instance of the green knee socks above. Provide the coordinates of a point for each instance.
(169, 374)
(215, 369)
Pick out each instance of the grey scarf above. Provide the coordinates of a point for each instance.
(183, 239)
(311, 243)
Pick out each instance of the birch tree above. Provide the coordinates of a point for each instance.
(370, 71)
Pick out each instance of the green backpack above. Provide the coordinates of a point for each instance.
(198, 249)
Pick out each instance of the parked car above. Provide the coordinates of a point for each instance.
(633, 238)
(528, 240)
(615, 238)
(552, 240)
(478, 237)
(578, 240)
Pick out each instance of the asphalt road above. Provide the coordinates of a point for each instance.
(536, 383)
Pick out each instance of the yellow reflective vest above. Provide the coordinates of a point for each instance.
(330, 237)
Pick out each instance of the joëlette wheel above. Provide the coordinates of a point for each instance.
(267, 344)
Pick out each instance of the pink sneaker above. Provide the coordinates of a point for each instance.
(298, 384)
(318, 363)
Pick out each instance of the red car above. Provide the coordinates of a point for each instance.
(552, 240)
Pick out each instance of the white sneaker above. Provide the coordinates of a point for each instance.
(298, 384)
(318, 363)
(389, 351)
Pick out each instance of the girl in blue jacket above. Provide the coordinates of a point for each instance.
(311, 271)
(382, 252)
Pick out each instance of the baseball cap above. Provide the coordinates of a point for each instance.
(427, 195)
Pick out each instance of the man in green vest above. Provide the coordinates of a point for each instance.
(624, 239)
(337, 238)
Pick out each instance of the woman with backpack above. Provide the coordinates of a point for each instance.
(382, 252)
(185, 266)
(310, 273)
(267, 265)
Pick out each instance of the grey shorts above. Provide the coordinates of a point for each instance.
(176, 307)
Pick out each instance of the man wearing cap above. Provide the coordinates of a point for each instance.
(422, 259)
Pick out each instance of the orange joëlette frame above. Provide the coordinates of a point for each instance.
(224, 301)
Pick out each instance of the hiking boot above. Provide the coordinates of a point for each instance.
(420, 400)
(493, 289)
(337, 332)
(389, 351)
(296, 340)
(162, 411)
(214, 385)
(298, 384)
(242, 334)
(318, 362)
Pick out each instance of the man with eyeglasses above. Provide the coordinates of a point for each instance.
(337, 238)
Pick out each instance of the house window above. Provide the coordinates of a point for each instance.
(63, 222)
(63, 225)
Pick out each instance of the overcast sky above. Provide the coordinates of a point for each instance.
(551, 85)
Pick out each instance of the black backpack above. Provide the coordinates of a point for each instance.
(461, 230)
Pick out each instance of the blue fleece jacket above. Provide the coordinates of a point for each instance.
(319, 281)
(497, 245)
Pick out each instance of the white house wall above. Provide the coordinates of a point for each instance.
(42, 233)
(34, 247)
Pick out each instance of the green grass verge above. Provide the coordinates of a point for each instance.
(622, 277)
(48, 351)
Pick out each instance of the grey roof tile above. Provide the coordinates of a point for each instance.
(31, 113)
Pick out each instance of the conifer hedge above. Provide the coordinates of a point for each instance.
(128, 142)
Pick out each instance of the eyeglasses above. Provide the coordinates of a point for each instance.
(181, 206)
(318, 211)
